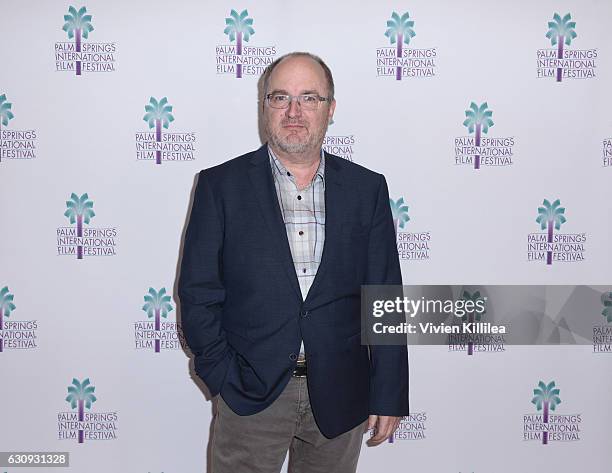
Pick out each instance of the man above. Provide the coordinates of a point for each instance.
(279, 242)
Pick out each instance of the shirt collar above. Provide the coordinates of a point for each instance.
(278, 166)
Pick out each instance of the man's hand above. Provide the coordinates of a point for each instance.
(383, 426)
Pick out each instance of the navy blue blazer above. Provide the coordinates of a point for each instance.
(242, 312)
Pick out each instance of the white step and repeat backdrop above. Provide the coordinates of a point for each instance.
(490, 121)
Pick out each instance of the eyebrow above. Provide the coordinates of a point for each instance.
(304, 92)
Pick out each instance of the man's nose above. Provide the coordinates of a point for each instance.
(294, 109)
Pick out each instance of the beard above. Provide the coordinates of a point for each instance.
(289, 142)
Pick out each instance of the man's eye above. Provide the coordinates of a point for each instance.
(309, 99)
(279, 98)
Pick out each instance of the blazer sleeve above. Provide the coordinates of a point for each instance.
(201, 289)
(388, 363)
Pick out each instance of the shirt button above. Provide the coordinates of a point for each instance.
(300, 233)
(293, 357)
(299, 197)
(303, 270)
(288, 173)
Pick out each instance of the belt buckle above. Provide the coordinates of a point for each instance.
(300, 368)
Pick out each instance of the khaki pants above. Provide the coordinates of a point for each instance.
(259, 443)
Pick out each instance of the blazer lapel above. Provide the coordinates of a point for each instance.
(260, 174)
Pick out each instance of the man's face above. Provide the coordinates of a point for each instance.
(294, 130)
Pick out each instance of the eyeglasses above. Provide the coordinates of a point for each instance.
(306, 101)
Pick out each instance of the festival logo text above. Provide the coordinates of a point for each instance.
(607, 152)
(160, 146)
(14, 144)
(477, 150)
(552, 245)
(340, 145)
(158, 334)
(82, 425)
(14, 334)
(410, 245)
(547, 427)
(560, 61)
(236, 58)
(411, 427)
(81, 240)
(399, 61)
(476, 342)
(602, 334)
(80, 56)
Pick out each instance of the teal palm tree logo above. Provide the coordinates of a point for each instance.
(157, 304)
(606, 300)
(550, 216)
(472, 315)
(561, 32)
(399, 30)
(5, 111)
(81, 394)
(478, 120)
(545, 397)
(79, 210)
(239, 28)
(159, 114)
(6, 307)
(78, 26)
(399, 212)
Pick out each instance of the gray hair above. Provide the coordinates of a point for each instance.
(317, 59)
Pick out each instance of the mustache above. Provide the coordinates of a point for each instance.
(285, 122)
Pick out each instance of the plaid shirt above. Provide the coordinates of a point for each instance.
(303, 212)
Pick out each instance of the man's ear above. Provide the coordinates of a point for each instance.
(332, 108)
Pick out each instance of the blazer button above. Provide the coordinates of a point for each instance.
(293, 357)
(305, 313)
